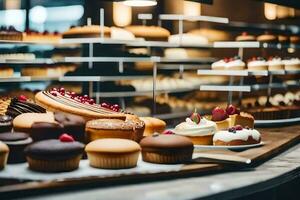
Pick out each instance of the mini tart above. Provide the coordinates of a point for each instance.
(243, 119)
(61, 104)
(237, 137)
(167, 149)
(86, 32)
(113, 153)
(200, 134)
(54, 155)
(154, 33)
(16, 142)
(5, 123)
(153, 125)
(4, 151)
(132, 128)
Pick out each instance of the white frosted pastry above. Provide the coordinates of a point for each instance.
(275, 64)
(121, 34)
(190, 128)
(292, 64)
(237, 137)
(188, 39)
(219, 65)
(258, 65)
(237, 64)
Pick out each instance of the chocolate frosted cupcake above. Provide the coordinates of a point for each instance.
(166, 149)
(55, 155)
(45, 130)
(5, 123)
(16, 142)
(72, 124)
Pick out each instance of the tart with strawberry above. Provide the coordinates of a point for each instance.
(199, 129)
(236, 135)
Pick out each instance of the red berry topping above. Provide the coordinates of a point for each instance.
(238, 127)
(195, 117)
(62, 90)
(105, 105)
(54, 93)
(66, 138)
(168, 132)
(73, 94)
(22, 98)
(219, 114)
(232, 129)
(231, 110)
(226, 60)
(54, 89)
(91, 101)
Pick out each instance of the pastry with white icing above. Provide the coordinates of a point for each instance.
(236, 135)
(229, 64)
(291, 64)
(257, 64)
(199, 130)
(275, 63)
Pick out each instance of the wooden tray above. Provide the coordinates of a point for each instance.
(276, 140)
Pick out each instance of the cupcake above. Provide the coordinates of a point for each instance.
(113, 153)
(258, 63)
(16, 142)
(167, 149)
(199, 130)
(54, 155)
(5, 123)
(131, 128)
(4, 150)
(275, 63)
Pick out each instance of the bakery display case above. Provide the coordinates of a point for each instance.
(123, 94)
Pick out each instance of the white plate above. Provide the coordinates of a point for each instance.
(239, 147)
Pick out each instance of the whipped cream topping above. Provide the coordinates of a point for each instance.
(243, 134)
(293, 61)
(220, 63)
(190, 128)
(235, 63)
(256, 63)
(275, 61)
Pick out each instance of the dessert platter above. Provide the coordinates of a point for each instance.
(62, 139)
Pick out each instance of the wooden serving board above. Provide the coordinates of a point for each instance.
(276, 140)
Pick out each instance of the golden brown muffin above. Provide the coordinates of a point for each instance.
(113, 153)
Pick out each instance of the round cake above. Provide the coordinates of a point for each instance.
(113, 153)
(16, 142)
(199, 130)
(257, 64)
(59, 100)
(245, 37)
(153, 125)
(54, 155)
(132, 128)
(167, 149)
(4, 151)
(237, 136)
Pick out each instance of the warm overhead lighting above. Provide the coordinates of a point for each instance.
(191, 8)
(122, 14)
(270, 11)
(140, 3)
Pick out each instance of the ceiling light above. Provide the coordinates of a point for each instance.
(140, 3)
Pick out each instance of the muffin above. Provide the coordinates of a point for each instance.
(153, 125)
(113, 153)
(4, 151)
(199, 130)
(54, 155)
(131, 129)
(16, 142)
(5, 123)
(167, 149)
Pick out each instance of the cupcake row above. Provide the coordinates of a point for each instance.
(257, 63)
